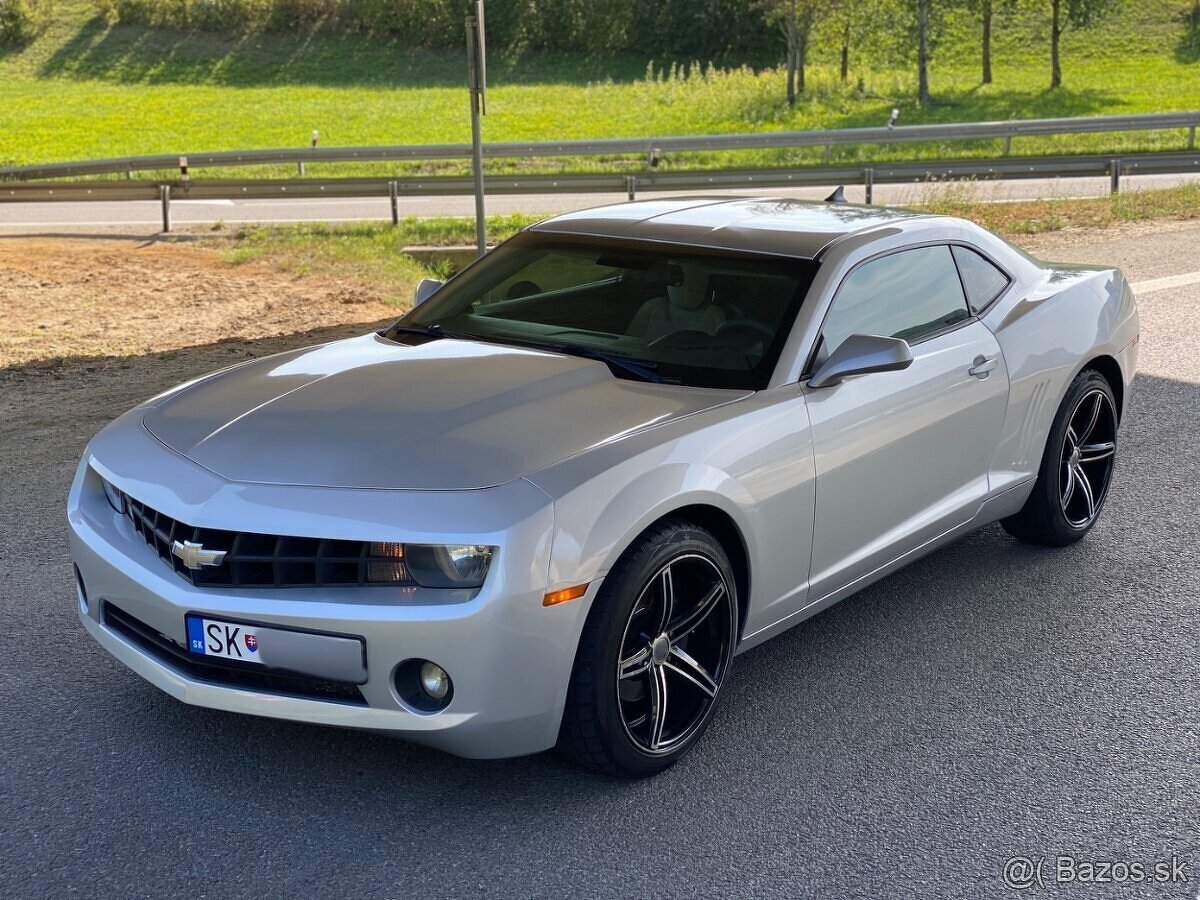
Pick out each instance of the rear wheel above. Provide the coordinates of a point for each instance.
(654, 653)
(1076, 468)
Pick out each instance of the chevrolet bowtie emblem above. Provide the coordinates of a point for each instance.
(194, 556)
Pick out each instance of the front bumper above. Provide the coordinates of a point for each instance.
(509, 657)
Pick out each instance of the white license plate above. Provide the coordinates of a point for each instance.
(228, 640)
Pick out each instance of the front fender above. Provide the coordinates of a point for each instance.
(587, 545)
(751, 461)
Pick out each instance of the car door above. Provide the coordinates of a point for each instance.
(902, 456)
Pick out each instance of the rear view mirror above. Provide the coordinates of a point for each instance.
(862, 354)
(425, 289)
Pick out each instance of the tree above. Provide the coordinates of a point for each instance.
(854, 19)
(1076, 14)
(985, 13)
(923, 95)
(796, 18)
(986, 10)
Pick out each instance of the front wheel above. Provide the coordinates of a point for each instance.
(1076, 468)
(654, 652)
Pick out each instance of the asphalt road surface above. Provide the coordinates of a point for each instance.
(33, 217)
(990, 701)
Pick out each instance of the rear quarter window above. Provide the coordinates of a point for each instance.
(982, 280)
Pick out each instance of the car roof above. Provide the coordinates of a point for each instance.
(776, 225)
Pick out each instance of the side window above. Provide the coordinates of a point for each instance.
(982, 280)
(909, 295)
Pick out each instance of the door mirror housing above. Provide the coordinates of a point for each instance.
(425, 289)
(862, 354)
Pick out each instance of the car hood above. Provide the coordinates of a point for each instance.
(371, 413)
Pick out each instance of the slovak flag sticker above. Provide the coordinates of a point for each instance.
(251, 643)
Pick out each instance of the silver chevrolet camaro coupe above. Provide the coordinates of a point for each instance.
(552, 503)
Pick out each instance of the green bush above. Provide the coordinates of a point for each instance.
(21, 19)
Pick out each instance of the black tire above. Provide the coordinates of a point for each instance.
(1056, 513)
(600, 728)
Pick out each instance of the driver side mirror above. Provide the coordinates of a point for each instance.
(425, 289)
(862, 354)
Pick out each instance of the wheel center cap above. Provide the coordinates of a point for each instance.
(660, 649)
(1074, 460)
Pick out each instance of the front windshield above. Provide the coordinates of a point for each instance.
(690, 316)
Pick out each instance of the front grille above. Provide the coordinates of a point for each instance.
(267, 560)
(226, 674)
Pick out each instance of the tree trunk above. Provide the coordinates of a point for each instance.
(801, 60)
(923, 95)
(791, 77)
(791, 56)
(846, 50)
(987, 42)
(1055, 34)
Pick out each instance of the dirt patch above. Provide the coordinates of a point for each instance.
(79, 301)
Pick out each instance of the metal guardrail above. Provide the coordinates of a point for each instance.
(1097, 165)
(651, 147)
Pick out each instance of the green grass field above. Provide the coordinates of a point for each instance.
(86, 90)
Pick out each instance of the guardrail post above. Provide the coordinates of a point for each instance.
(1192, 138)
(394, 197)
(1114, 177)
(828, 152)
(631, 186)
(869, 180)
(1007, 144)
(165, 194)
(300, 168)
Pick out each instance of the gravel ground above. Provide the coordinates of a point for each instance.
(990, 701)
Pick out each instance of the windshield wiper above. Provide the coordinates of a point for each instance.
(433, 331)
(642, 371)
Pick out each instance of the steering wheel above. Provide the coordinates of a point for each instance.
(749, 326)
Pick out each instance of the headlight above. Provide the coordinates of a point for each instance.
(453, 566)
(115, 498)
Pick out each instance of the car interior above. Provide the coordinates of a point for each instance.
(720, 316)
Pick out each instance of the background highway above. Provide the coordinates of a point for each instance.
(34, 217)
(991, 700)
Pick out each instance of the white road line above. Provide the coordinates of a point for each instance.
(1161, 284)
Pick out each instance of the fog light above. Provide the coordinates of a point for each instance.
(434, 681)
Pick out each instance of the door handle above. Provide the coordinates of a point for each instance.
(982, 366)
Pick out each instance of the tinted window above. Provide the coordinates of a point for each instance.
(909, 295)
(699, 317)
(982, 280)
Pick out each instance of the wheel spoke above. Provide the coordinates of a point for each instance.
(658, 705)
(683, 664)
(1069, 491)
(1072, 441)
(1093, 418)
(667, 587)
(1095, 452)
(1086, 488)
(685, 625)
(635, 664)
